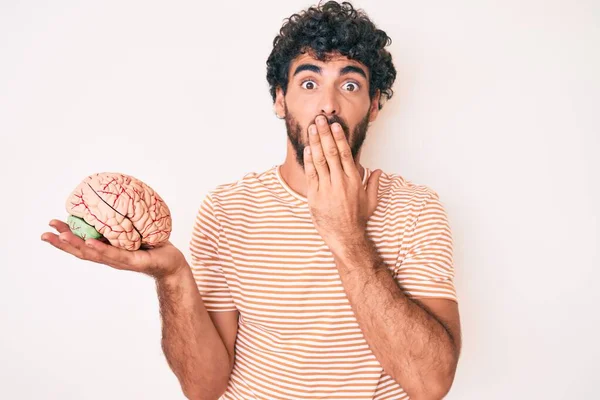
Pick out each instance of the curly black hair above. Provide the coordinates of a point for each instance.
(327, 30)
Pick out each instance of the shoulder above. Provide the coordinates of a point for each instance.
(247, 187)
(398, 189)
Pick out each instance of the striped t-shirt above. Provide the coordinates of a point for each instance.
(254, 249)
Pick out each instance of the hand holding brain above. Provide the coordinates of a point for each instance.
(123, 210)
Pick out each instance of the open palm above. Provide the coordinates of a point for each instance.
(158, 262)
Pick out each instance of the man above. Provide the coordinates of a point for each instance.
(317, 278)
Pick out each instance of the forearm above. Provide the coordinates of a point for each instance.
(192, 346)
(412, 345)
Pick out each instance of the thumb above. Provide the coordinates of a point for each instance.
(373, 189)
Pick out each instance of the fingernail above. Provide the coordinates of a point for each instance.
(321, 120)
(89, 244)
(312, 130)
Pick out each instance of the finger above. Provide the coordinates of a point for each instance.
(312, 178)
(90, 249)
(60, 226)
(316, 151)
(345, 153)
(120, 258)
(87, 252)
(330, 149)
(61, 243)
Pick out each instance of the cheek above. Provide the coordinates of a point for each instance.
(361, 113)
(300, 119)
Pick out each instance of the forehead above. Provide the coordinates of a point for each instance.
(333, 62)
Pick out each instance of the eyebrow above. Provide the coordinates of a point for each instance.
(317, 70)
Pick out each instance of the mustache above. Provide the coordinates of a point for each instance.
(333, 119)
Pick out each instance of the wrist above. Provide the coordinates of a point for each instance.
(351, 246)
(177, 275)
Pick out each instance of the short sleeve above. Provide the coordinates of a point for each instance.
(427, 269)
(205, 263)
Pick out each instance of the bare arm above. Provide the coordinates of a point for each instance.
(192, 345)
(198, 345)
(418, 348)
(411, 342)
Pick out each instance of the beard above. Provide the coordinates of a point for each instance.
(294, 133)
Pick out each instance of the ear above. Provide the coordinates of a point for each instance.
(374, 107)
(279, 106)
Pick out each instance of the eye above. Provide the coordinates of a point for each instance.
(353, 86)
(308, 84)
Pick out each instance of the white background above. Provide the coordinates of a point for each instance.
(496, 108)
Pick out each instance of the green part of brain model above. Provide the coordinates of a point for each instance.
(82, 229)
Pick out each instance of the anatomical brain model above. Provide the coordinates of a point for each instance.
(118, 209)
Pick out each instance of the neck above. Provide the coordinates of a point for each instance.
(293, 174)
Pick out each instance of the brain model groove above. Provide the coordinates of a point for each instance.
(118, 209)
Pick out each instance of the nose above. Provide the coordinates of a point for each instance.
(329, 104)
